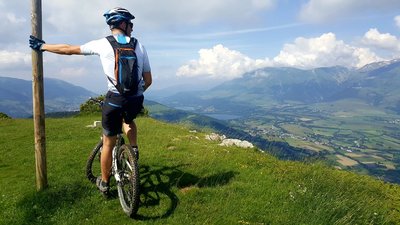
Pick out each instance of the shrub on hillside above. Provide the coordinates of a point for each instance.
(4, 116)
(144, 112)
(90, 107)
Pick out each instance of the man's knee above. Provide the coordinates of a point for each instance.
(109, 141)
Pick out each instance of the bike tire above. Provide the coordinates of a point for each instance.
(128, 186)
(93, 169)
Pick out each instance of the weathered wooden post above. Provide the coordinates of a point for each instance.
(38, 100)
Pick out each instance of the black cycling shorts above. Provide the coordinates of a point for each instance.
(117, 109)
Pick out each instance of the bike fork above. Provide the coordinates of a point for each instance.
(115, 165)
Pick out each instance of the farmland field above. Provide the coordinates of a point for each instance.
(359, 139)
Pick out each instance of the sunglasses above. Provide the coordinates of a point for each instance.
(130, 24)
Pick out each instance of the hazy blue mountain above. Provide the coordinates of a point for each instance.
(376, 84)
(16, 96)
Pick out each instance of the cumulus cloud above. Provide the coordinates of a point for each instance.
(326, 50)
(384, 41)
(14, 59)
(220, 63)
(321, 51)
(327, 10)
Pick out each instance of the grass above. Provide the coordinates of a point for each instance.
(184, 180)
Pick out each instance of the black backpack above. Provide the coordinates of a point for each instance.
(126, 66)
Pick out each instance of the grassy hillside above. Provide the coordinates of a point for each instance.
(185, 180)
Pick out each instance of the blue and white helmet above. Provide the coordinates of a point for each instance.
(116, 15)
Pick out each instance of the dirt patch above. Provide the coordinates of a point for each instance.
(345, 161)
(188, 189)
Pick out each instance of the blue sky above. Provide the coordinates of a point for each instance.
(196, 44)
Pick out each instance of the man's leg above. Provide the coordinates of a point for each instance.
(106, 157)
(131, 132)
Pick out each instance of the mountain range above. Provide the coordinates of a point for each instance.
(16, 96)
(375, 84)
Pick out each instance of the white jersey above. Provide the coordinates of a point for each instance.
(103, 48)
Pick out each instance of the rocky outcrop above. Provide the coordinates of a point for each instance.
(228, 142)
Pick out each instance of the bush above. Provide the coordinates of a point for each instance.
(144, 112)
(90, 107)
(4, 116)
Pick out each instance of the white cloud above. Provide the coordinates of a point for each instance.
(176, 12)
(75, 22)
(220, 63)
(73, 16)
(322, 51)
(71, 72)
(14, 19)
(384, 41)
(397, 20)
(328, 10)
(14, 22)
(10, 60)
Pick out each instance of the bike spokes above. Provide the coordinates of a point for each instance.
(128, 185)
(93, 168)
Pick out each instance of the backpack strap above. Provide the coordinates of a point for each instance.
(133, 42)
(115, 44)
(111, 82)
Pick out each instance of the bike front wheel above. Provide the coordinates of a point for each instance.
(93, 168)
(128, 186)
(93, 163)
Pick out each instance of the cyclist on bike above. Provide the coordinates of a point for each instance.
(119, 110)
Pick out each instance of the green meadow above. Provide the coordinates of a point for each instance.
(185, 179)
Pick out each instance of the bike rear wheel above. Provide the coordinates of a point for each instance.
(128, 186)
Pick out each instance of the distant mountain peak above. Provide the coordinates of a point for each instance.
(376, 65)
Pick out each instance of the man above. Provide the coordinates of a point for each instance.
(119, 110)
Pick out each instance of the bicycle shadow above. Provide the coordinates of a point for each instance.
(157, 200)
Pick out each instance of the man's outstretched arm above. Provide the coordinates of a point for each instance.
(64, 49)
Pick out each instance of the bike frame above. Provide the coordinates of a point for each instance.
(114, 165)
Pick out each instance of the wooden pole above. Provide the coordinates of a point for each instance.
(38, 100)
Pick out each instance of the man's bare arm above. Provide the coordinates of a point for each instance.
(63, 49)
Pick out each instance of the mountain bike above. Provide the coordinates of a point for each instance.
(125, 169)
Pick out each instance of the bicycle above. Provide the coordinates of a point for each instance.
(125, 169)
